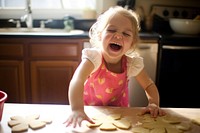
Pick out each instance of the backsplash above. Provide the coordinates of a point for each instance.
(143, 7)
(82, 24)
(147, 14)
(147, 4)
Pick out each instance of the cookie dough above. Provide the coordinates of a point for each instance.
(158, 130)
(21, 124)
(96, 124)
(110, 122)
(122, 124)
(168, 123)
(107, 126)
(140, 129)
(196, 121)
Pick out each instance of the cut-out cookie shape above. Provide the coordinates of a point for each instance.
(140, 130)
(122, 124)
(110, 122)
(171, 124)
(21, 124)
(196, 120)
(107, 126)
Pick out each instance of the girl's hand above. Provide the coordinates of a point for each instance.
(76, 118)
(153, 110)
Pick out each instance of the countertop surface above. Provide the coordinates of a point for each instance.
(59, 113)
(38, 32)
(44, 34)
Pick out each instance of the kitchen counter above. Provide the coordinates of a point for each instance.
(47, 32)
(42, 32)
(59, 113)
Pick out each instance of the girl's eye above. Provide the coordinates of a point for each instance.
(126, 34)
(111, 30)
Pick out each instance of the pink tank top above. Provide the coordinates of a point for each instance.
(105, 88)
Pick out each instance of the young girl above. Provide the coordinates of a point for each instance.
(102, 77)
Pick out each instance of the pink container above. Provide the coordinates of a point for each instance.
(3, 98)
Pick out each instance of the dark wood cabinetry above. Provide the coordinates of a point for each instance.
(12, 71)
(38, 69)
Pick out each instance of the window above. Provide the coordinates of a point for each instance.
(12, 3)
(49, 4)
(52, 9)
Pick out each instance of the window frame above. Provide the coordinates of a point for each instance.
(16, 13)
(40, 13)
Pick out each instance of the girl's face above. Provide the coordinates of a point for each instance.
(117, 37)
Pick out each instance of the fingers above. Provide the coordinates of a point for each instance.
(144, 111)
(76, 120)
(162, 112)
(68, 122)
(154, 111)
(89, 120)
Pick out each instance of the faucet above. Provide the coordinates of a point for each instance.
(28, 17)
(17, 22)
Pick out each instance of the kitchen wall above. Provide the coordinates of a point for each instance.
(101, 6)
(146, 4)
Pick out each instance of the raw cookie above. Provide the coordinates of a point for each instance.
(107, 126)
(140, 130)
(158, 130)
(109, 117)
(46, 120)
(114, 116)
(122, 124)
(96, 124)
(173, 130)
(110, 122)
(22, 127)
(21, 124)
(33, 117)
(196, 121)
(148, 118)
(171, 119)
(12, 123)
(36, 124)
(184, 126)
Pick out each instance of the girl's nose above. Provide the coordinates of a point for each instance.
(118, 36)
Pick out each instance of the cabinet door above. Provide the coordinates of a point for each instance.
(50, 81)
(12, 80)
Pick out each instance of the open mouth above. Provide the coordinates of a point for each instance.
(115, 46)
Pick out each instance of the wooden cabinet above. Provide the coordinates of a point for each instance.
(12, 80)
(12, 76)
(50, 80)
(38, 70)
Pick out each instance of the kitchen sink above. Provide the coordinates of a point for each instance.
(40, 30)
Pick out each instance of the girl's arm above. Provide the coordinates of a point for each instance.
(76, 88)
(151, 92)
(149, 86)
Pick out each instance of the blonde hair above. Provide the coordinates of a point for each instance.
(104, 18)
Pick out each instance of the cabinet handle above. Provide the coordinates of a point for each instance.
(144, 47)
(180, 47)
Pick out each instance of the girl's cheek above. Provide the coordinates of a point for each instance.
(128, 40)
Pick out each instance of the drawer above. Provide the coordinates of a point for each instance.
(11, 50)
(60, 51)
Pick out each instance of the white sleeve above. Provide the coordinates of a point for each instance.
(94, 55)
(134, 66)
